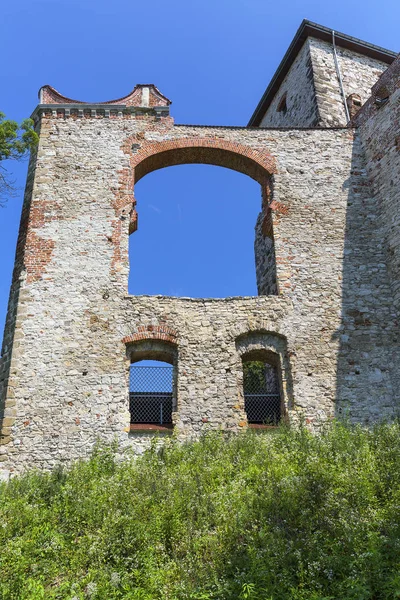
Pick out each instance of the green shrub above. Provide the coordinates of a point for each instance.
(283, 516)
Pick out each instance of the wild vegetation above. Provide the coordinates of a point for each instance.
(16, 141)
(281, 516)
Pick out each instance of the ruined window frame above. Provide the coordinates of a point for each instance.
(270, 359)
(163, 352)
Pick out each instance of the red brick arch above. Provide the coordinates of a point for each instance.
(162, 333)
(149, 156)
(152, 342)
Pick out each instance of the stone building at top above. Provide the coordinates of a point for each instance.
(320, 340)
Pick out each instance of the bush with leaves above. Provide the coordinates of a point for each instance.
(288, 515)
(15, 143)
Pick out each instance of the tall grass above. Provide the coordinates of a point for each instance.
(283, 516)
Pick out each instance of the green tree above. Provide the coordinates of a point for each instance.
(15, 143)
(254, 380)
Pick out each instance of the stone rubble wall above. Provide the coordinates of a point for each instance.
(379, 130)
(359, 74)
(264, 252)
(66, 381)
(313, 93)
(302, 109)
(15, 312)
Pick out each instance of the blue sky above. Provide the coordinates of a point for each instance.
(213, 59)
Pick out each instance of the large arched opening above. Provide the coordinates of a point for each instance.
(204, 235)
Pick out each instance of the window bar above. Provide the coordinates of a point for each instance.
(151, 395)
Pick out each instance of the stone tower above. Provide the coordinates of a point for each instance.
(326, 248)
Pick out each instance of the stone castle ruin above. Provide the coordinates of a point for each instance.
(324, 145)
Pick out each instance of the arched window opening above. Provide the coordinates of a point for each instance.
(152, 386)
(282, 104)
(196, 235)
(261, 389)
(150, 394)
(354, 104)
(382, 96)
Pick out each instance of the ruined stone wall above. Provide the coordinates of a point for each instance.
(264, 251)
(367, 330)
(69, 371)
(298, 85)
(379, 130)
(359, 74)
(264, 245)
(15, 314)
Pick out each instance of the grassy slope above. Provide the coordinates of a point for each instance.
(283, 516)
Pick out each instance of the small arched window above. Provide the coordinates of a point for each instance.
(152, 385)
(262, 388)
(282, 104)
(354, 104)
(151, 394)
(382, 96)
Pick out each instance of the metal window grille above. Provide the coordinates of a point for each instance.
(262, 399)
(150, 395)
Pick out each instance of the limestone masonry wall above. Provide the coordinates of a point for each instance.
(313, 95)
(298, 85)
(380, 134)
(325, 306)
(359, 74)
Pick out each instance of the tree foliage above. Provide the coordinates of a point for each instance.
(282, 516)
(15, 143)
(254, 376)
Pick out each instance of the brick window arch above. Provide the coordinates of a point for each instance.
(146, 157)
